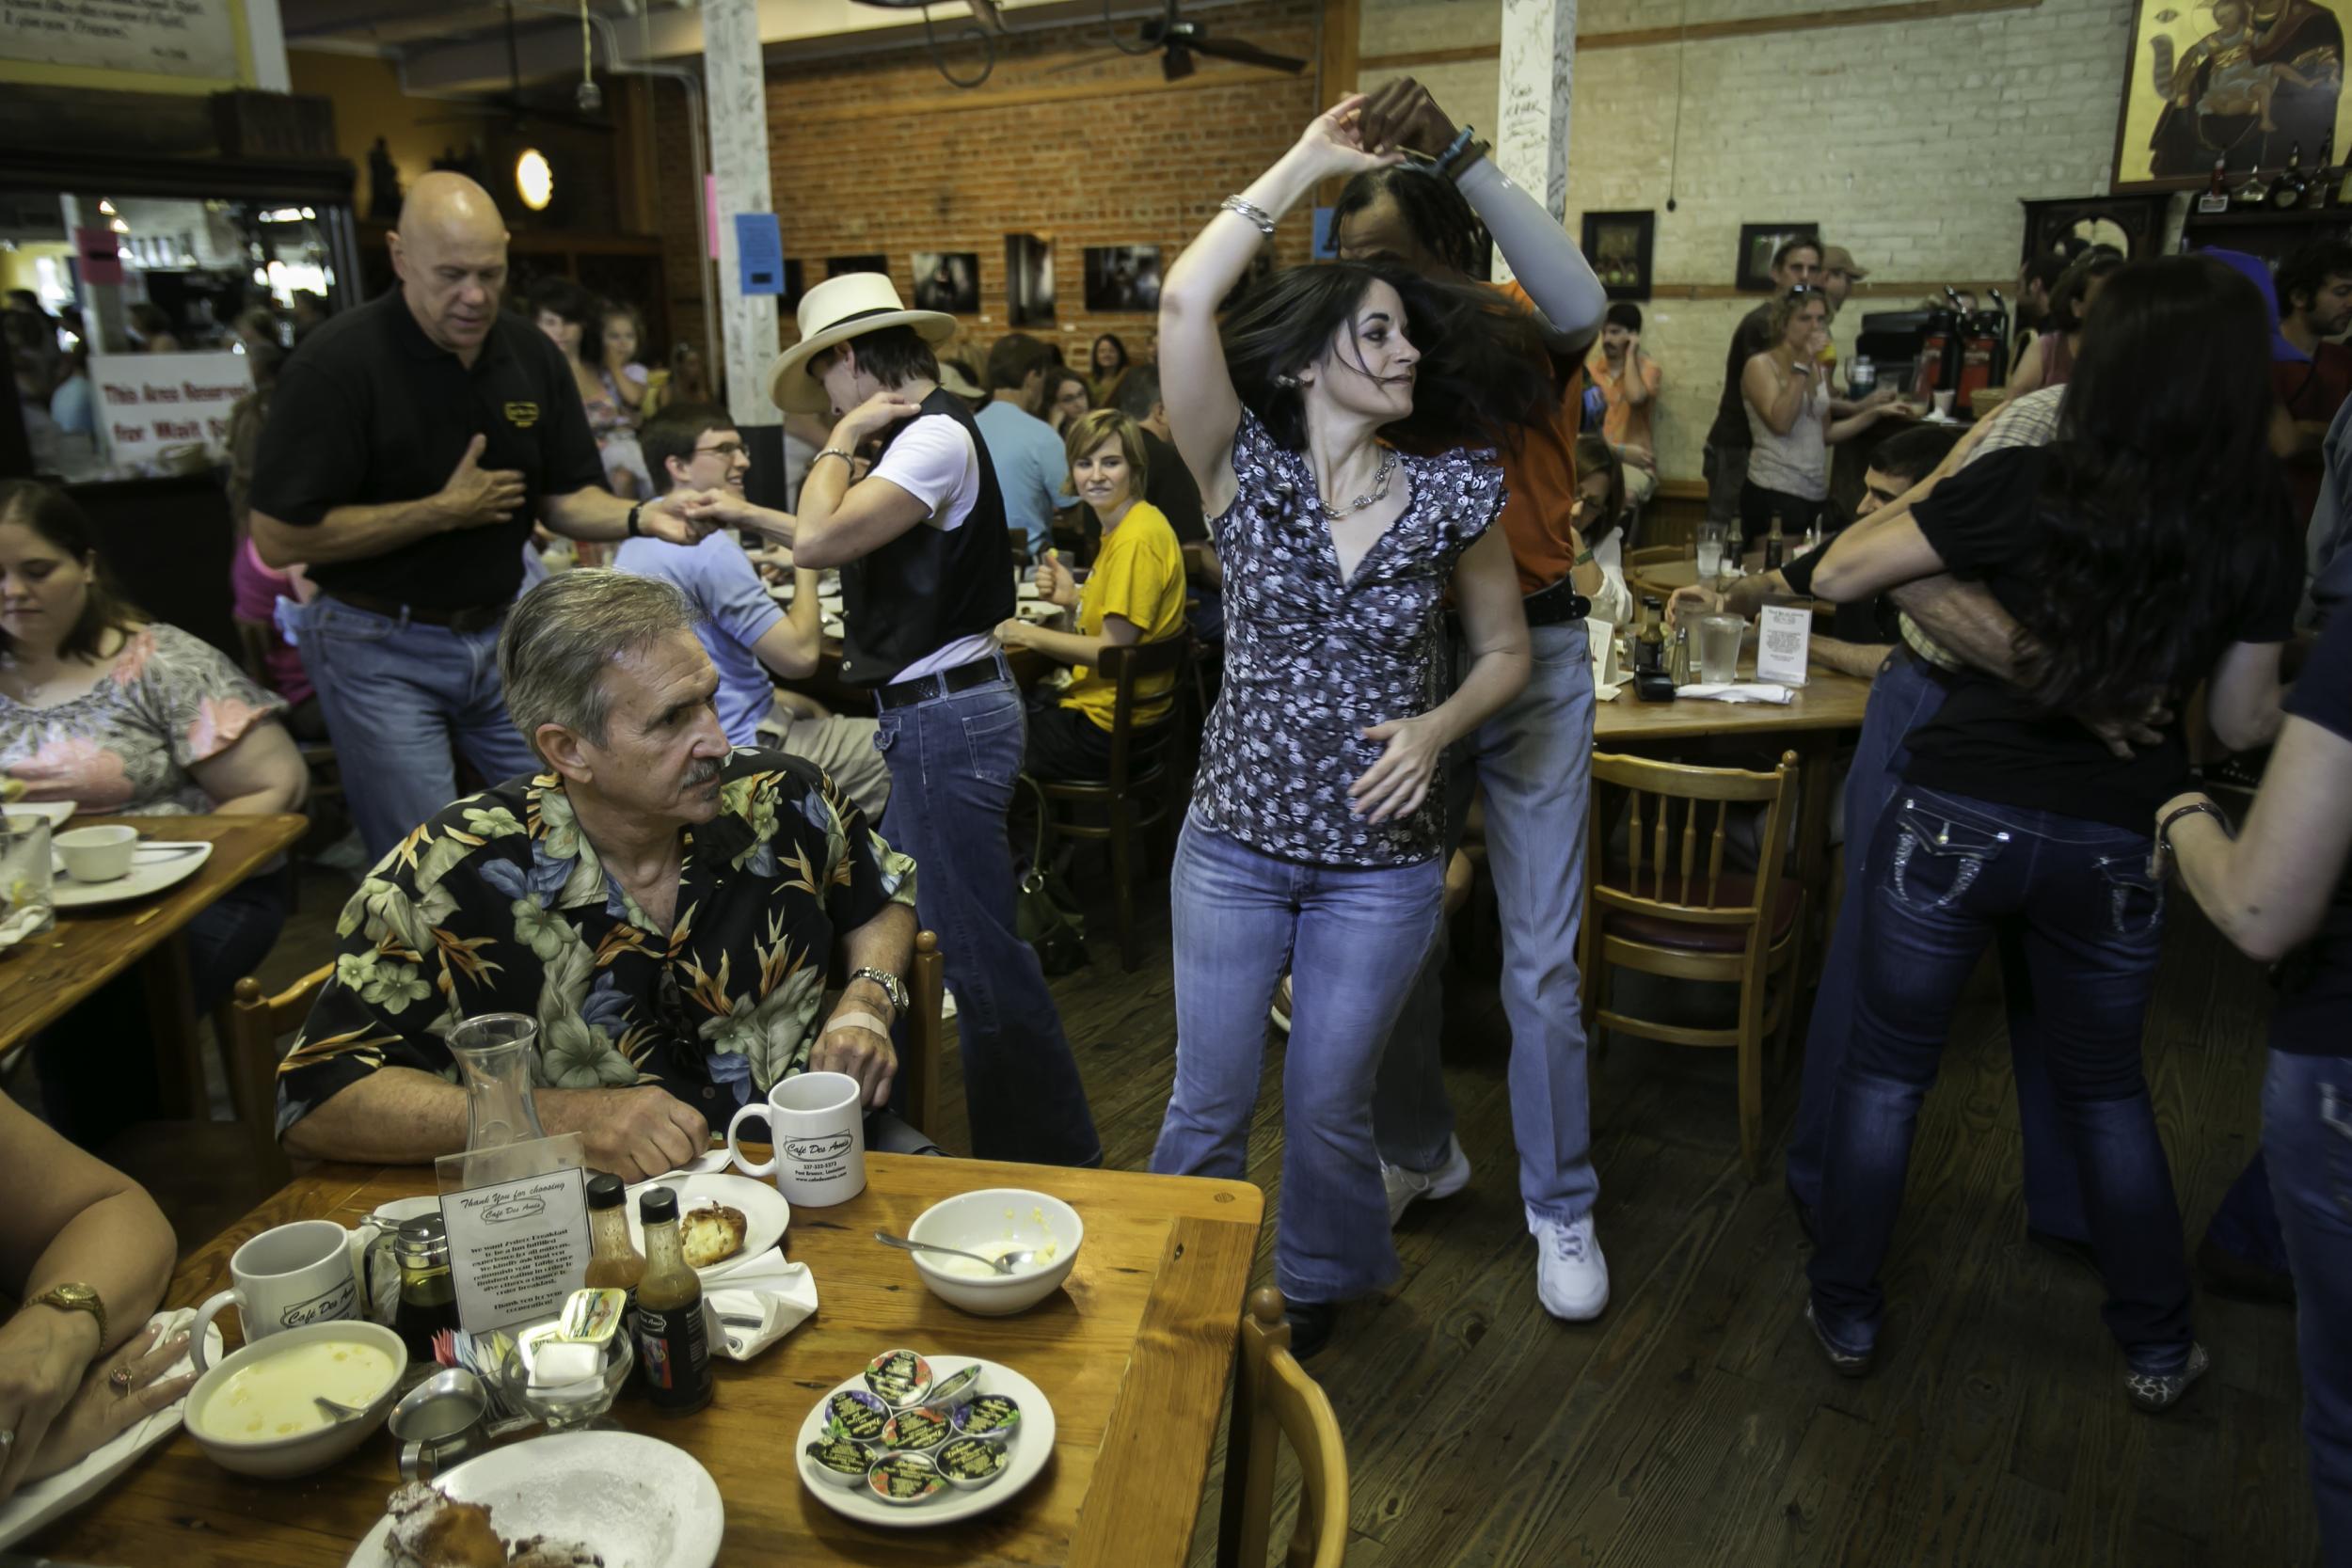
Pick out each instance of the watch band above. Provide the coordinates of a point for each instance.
(891, 986)
(2195, 808)
(632, 521)
(75, 1298)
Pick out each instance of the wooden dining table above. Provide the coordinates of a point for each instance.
(46, 977)
(1135, 1352)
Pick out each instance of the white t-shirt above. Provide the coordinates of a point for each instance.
(935, 461)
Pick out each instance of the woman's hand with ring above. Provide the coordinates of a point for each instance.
(131, 1388)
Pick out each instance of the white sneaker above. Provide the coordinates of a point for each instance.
(1571, 1275)
(1404, 1185)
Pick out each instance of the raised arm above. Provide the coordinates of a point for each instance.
(793, 645)
(1203, 411)
(2268, 888)
(2242, 698)
(1777, 400)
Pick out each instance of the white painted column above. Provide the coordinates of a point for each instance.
(736, 82)
(1532, 103)
(265, 38)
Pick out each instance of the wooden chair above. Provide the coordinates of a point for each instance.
(1652, 554)
(1670, 908)
(249, 1025)
(1140, 790)
(927, 1034)
(1271, 1391)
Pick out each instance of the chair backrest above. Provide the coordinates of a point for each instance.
(249, 1027)
(1134, 746)
(1675, 842)
(1652, 554)
(1273, 1392)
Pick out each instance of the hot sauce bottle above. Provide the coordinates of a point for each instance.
(672, 1342)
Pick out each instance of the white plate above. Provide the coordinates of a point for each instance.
(57, 812)
(637, 1502)
(1032, 1444)
(150, 873)
(765, 1212)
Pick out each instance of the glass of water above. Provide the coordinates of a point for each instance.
(1712, 538)
(25, 906)
(1719, 648)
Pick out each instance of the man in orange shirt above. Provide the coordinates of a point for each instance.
(1534, 759)
(1628, 382)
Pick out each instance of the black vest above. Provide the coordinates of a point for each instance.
(930, 586)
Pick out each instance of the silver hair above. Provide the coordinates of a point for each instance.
(561, 635)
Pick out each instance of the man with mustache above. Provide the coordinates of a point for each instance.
(664, 906)
(412, 443)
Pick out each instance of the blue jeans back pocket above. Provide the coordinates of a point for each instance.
(2135, 899)
(1937, 857)
(995, 743)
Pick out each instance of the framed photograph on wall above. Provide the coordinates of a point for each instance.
(876, 261)
(947, 280)
(2132, 224)
(1617, 248)
(795, 285)
(1758, 243)
(1122, 278)
(2202, 82)
(1028, 281)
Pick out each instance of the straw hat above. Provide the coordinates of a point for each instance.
(833, 312)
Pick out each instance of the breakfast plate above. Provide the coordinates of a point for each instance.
(629, 1500)
(1032, 1444)
(156, 866)
(764, 1212)
(57, 812)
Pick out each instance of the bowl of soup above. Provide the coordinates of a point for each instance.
(257, 1413)
(992, 1223)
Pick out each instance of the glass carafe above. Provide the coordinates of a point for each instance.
(494, 1050)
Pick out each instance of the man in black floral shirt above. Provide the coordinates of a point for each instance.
(666, 909)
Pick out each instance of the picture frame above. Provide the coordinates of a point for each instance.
(1757, 244)
(2132, 224)
(948, 281)
(2198, 79)
(1122, 278)
(1617, 248)
(795, 285)
(1029, 280)
(871, 262)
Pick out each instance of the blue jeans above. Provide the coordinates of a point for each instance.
(1535, 760)
(953, 761)
(1902, 697)
(2307, 1139)
(1946, 875)
(1352, 938)
(396, 694)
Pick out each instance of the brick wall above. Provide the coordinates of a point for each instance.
(1908, 142)
(882, 154)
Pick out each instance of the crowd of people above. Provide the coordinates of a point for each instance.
(1389, 496)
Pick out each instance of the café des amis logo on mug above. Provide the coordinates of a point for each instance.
(336, 1304)
(818, 1150)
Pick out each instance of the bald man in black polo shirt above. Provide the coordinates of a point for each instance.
(411, 446)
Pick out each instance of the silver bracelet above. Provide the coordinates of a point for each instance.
(835, 452)
(1256, 216)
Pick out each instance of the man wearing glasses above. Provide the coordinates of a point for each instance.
(696, 448)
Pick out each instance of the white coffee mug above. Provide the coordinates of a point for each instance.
(284, 1278)
(816, 1122)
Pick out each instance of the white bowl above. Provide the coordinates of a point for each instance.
(97, 854)
(989, 1219)
(276, 1458)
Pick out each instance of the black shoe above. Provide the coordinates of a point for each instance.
(1843, 1362)
(2074, 1251)
(2229, 1274)
(1311, 1326)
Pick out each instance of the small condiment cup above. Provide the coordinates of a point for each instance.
(990, 1418)
(97, 854)
(968, 1464)
(916, 1479)
(842, 1460)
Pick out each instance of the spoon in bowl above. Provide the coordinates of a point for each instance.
(1009, 1263)
(337, 1410)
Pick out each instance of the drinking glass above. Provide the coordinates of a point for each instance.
(1719, 648)
(1711, 539)
(494, 1050)
(25, 909)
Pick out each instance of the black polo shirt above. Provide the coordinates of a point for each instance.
(369, 411)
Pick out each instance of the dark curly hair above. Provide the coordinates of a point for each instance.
(2161, 514)
(1483, 373)
(1433, 207)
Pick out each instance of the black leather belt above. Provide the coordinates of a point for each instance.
(464, 620)
(963, 677)
(1555, 604)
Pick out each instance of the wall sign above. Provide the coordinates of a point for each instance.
(173, 38)
(148, 403)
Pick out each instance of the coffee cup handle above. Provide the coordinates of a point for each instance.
(757, 1111)
(204, 1316)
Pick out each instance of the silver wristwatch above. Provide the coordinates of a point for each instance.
(891, 985)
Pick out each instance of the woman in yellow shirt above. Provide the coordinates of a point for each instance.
(1136, 594)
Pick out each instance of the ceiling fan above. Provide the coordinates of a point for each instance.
(1178, 40)
(511, 106)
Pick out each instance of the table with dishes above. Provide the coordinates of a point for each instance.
(870, 1403)
(123, 890)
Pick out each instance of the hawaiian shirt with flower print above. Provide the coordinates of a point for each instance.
(500, 905)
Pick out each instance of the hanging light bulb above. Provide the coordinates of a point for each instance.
(535, 180)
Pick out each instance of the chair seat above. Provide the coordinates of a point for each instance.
(1734, 889)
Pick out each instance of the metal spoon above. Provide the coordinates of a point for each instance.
(1007, 1264)
(337, 1409)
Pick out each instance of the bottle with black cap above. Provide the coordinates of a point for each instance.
(673, 1341)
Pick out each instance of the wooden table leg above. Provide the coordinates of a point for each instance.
(171, 1020)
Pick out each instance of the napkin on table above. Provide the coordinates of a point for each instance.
(1739, 691)
(38, 1504)
(776, 1297)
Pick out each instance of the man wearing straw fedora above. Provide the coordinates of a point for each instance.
(926, 575)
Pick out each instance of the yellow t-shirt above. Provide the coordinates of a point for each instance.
(1139, 575)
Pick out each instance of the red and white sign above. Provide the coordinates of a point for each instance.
(151, 403)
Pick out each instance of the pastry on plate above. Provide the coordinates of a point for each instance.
(712, 1235)
(429, 1530)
